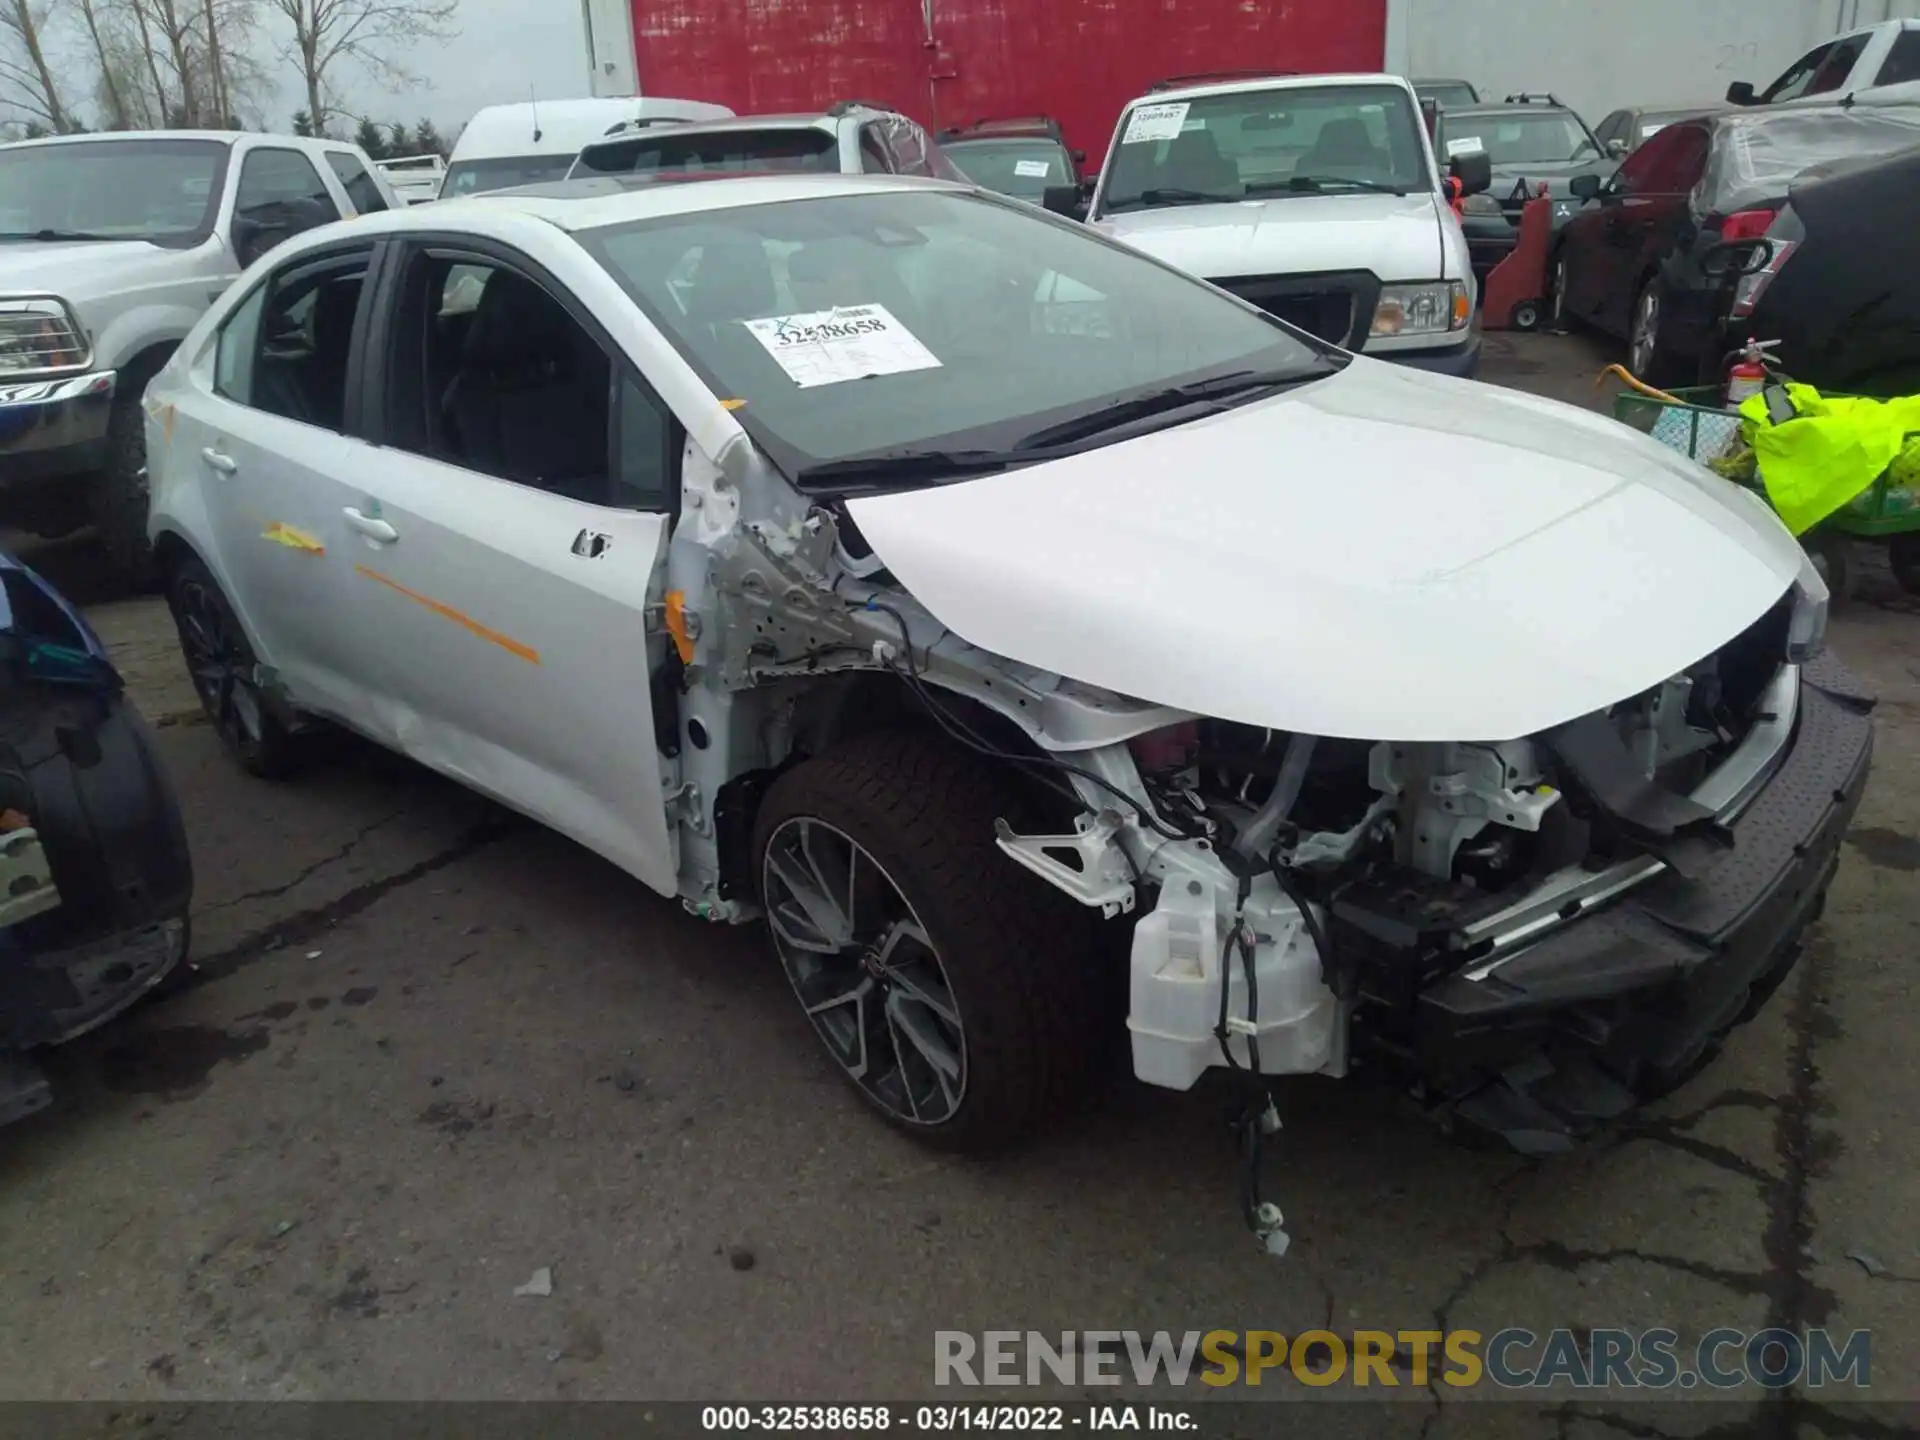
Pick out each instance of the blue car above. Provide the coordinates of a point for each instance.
(95, 878)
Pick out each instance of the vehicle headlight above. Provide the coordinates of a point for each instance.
(40, 335)
(1422, 309)
(1481, 204)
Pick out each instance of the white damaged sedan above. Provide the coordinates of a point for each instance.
(1012, 622)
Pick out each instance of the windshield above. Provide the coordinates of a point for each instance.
(1324, 139)
(159, 190)
(1518, 138)
(738, 152)
(503, 172)
(901, 324)
(1024, 168)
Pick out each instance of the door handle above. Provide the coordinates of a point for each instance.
(373, 529)
(225, 464)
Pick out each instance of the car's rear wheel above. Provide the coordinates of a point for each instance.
(952, 988)
(224, 671)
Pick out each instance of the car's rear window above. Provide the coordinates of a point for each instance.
(739, 152)
(1755, 159)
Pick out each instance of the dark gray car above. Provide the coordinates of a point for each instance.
(1531, 143)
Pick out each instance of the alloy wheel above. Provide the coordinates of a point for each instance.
(1646, 332)
(865, 970)
(221, 665)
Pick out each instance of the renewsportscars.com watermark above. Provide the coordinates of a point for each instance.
(1510, 1359)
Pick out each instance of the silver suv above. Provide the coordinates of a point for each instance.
(113, 246)
(852, 138)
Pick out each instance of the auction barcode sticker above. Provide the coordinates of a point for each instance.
(848, 342)
(1155, 122)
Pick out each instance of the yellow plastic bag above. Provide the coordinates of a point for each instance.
(1829, 453)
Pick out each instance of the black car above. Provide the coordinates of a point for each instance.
(1625, 131)
(1020, 157)
(95, 879)
(1530, 143)
(1840, 290)
(1645, 258)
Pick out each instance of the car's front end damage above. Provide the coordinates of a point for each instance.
(95, 877)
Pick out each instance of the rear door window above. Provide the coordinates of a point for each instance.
(360, 186)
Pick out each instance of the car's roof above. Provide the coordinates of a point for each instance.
(1272, 82)
(219, 137)
(1470, 112)
(800, 121)
(563, 125)
(587, 204)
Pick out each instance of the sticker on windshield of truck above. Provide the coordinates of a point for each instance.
(1155, 122)
(848, 342)
(1465, 145)
(1032, 169)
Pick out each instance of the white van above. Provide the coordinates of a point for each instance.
(1315, 197)
(536, 140)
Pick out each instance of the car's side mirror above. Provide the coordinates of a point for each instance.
(1474, 170)
(1585, 187)
(1067, 200)
(1741, 93)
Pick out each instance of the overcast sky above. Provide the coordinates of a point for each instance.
(504, 46)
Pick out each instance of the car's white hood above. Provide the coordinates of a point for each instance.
(78, 270)
(1382, 555)
(1397, 237)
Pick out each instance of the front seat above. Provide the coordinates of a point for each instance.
(1194, 162)
(529, 402)
(1343, 149)
(324, 376)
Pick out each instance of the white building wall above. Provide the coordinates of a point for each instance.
(1598, 55)
(611, 70)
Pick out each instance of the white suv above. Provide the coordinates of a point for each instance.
(111, 246)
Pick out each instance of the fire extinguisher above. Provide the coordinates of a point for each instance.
(1750, 373)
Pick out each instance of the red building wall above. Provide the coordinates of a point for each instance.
(950, 61)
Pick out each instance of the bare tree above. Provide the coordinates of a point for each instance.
(113, 89)
(28, 84)
(368, 34)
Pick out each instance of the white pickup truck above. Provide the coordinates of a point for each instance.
(1878, 65)
(111, 246)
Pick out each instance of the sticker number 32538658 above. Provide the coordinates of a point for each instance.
(848, 342)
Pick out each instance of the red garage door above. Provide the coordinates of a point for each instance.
(946, 62)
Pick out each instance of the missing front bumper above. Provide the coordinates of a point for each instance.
(1628, 1002)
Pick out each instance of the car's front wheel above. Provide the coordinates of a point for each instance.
(955, 990)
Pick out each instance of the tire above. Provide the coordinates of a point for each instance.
(1903, 557)
(1647, 354)
(221, 663)
(1014, 956)
(117, 494)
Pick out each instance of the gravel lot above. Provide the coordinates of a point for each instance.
(429, 1048)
